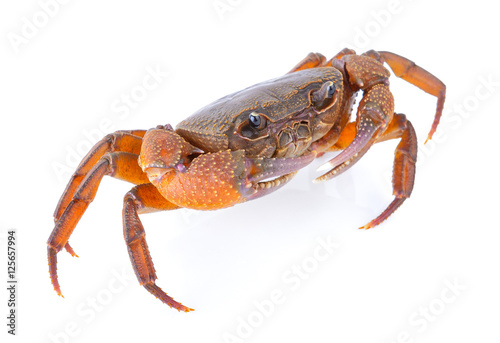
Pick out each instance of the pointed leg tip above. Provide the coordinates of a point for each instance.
(70, 250)
(73, 254)
(176, 305)
(165, 298)
(368, 226)
(58, 291)
(429, 136)
(179, 307)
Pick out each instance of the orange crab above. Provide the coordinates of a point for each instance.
(249, 144)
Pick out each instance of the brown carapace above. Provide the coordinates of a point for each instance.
(249, 144)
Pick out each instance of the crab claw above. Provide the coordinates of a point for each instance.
(367, 133)
(266, 175)
(189, 178)
(165, 151)
(374, 113)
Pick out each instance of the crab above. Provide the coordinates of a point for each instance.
(249, 144)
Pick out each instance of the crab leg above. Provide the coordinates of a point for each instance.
(143, 199)
(339, 55)
(119, 141)
(122, 165)
(347, 135)
(312, 60)
(129, 141)
(405, 158)
(401, 66)
(417, 76)
(315, 60)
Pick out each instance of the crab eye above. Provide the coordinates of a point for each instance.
(331, 90)
(324, 97)
(254, 126)
(256, 121)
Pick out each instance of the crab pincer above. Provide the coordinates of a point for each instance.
(375, 111)
(213, 180)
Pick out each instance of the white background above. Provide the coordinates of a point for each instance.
(65, 78)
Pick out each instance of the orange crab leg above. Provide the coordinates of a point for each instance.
(401, 66)
(143, 199)
(405, 158)
(129, 141)
(357, 137)
(312, 60)
(417, 76)
(339, 55)
(122, 165)
(347, 135)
